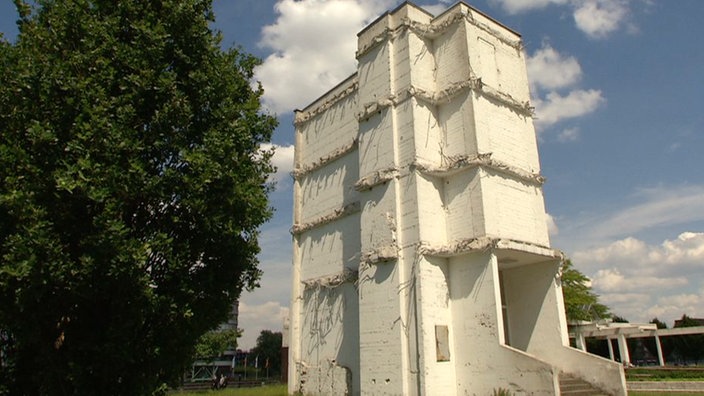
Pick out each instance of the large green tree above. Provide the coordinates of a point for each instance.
(268, 351)
(132, 186)
(581, 303)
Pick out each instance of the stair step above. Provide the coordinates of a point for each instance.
(574, 386)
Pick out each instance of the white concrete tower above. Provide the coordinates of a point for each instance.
(422, 263)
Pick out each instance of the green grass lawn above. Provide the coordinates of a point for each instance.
(643, 393)
(692, 373)
(269, 390)
(280, 390)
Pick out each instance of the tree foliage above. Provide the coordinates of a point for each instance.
(581, 303)
(268, 349)
(131, 189)
(213, 343)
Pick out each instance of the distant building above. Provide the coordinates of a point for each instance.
(231, 323)
(203, 370)
(422, 264)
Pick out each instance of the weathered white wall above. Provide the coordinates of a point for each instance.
(324, 316)
(330, 248)
(534, 301)
(457, 121)
(330, 348)
(381, 331)
(330, 187)
(513, 209)
(464, 205)
(418, 204)
(316, 139)
(438, 375)
(482, 362)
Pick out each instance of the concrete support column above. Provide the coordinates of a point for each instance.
(580, 342)
(661, 360)
(611, 349)
(623, 350)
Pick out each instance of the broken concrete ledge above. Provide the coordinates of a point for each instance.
(475, 84)
(379, 255)
(346, 210)
(371, 108)
(333, 280)
(484, 244)
(460, 163)
(433, 30)
(301, 117)
(375, 178)
(303, 170)
(375, 41)
(445, 95)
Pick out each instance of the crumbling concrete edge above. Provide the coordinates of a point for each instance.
(385, 35)
(474, 84)
(339, 213)
(301, 117)
(445, 95)
(369, 109)
(379, 255)
(433, 30)
(483, 244)
(462, 162)
(303, 170)
(376, 178)
(523, 108)
(347, 275)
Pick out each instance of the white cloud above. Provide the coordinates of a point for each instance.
(686, 250)
(662, 206)
(626, 249)
(611, 280)
(596, 18)
(518, 6)
(640, 281)
(599, 18)
(313, 44)
(552, 226)
(551, 73)
(255, 318)
(263, 308)
(548, 69)
(568, 135)
(672, 307)
(283, 161)
(556, 107)
(438, 7)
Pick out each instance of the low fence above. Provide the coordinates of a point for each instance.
(231, 383)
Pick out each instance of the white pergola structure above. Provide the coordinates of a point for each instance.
(580, 331)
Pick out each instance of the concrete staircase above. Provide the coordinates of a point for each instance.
(574, 386)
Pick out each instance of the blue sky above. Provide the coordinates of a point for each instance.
(618, 87)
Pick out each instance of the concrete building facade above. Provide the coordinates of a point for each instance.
(422, 263)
